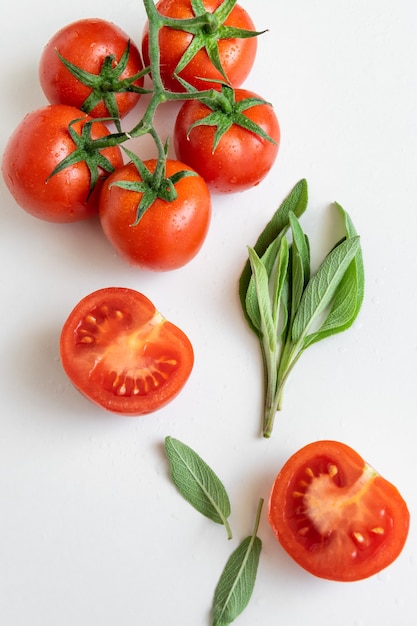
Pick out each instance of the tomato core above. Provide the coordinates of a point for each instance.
(125, 366)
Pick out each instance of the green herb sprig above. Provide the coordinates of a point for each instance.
(287, 308)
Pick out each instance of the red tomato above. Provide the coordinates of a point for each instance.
(335, 515)
(86, 43)
(236, 55)
(242, 158)
(37, 146)
(122, 354)
(169, 234)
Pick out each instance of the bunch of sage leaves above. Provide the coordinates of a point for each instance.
(288, 308)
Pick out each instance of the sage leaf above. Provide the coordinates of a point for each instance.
(278, 281)
(349, 295)
(252, 300)
(235, 587)
(322, 286)
(197, 483)
(343, 310)
(295, 202)
(269, 261)
(300, 262)
(262, 317)
(285, 296)
(263, 294)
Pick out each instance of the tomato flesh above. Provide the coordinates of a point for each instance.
(121, 353)
(335, 515)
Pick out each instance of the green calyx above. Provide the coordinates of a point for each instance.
(207, 29)
(226, 112)
(153, 185)
(107, 83)
(85, 150)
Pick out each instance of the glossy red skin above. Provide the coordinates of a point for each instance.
(241, 160)
(37, 146)
(122, 354)
(237, 55)
(169, 234)
(366, 520)
(86, 43)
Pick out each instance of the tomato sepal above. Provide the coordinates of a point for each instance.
(153, 185)
(107, 82)
(207, 29)
(227, 112)
(85, 151)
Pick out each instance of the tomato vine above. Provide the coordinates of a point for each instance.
(207, 28)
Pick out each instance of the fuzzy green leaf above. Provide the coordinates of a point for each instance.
(349, 295)
(269, 259)
(278, 280)
(262, 313)
(268, 242)
(322, 286)
(197, 482)
(300, 263)
(236, 584)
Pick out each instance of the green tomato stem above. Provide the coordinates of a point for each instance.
(159, 94)
(205, 21)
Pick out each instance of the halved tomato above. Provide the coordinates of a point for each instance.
(335, 515)
(122, 354)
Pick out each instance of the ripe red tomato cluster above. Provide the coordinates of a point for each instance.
(171, 232)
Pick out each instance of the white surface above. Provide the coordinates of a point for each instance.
(92, 532)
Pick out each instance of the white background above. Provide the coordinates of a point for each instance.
(92, 531)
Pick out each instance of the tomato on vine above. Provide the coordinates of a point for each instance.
(122, 354)
(222, 48)
(335, 515)
(232, 142)
(92, 64)
(156, 225)
(48, 166)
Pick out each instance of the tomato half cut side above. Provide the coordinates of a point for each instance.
(335, 515)
(122, 354)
